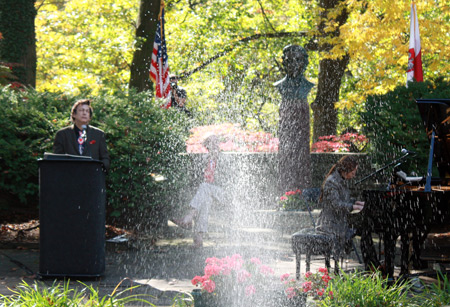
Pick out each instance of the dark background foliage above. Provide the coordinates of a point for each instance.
(392, 121)
(143, 140)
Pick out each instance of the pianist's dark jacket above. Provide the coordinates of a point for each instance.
(66, 143)
(336, 206)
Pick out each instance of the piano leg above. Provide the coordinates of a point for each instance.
(389, 252)
(415, 237)
(405, 241)
(369, 253)
(418, 240)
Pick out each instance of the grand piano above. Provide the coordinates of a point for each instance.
(411, 207)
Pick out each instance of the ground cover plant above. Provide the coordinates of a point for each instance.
(372, 290)
(36, 294)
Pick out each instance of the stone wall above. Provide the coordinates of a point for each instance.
(251, 178)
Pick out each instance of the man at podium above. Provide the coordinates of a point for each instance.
(80, 138)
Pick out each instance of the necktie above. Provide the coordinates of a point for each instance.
(80, 142)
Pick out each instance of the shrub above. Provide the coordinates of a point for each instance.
(392, 122)
(232, 138)
(294, 200)
(25, 134)
(143, 141)
(347, 142)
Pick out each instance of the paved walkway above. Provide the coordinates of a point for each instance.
(166, 268)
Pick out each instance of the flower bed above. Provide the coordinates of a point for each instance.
(234, 281)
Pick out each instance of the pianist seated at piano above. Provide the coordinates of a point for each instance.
(336, 217)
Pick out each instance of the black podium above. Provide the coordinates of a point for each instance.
(72, 198)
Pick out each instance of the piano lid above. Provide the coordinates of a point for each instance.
(436, 115)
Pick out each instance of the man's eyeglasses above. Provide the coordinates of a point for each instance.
(173, 79)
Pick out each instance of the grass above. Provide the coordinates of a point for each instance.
(61, 295)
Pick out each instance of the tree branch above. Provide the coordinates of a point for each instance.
(265, 16)
(239, 42)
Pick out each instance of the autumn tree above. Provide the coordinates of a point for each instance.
(18, 46)
(241, 42)
(332, 15)
(85, 46)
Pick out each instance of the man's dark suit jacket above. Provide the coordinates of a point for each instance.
(95, 147)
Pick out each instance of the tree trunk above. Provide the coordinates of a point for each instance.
(145, 35)
(324, 111)
(18, 46)
(331, 72)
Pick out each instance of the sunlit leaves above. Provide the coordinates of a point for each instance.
(85, 43)
(377, 38)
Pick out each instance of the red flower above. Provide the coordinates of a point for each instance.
(307, 286)
(92, 142)
(197, 280)
(326, 278)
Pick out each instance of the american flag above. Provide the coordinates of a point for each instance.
(159, 69)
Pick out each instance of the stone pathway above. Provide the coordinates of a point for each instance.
(166, 269)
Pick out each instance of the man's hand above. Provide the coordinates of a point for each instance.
(359, 205)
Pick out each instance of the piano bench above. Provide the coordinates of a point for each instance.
(311, 242)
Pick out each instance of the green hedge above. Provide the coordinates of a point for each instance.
(392, 122)
(143, 139)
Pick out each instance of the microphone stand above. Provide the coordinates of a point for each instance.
(397, 161)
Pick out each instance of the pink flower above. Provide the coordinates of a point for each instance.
(331, 294)
(209, 285)
(290, 292)
(255, 260)
(283, 198)
(213, 260)
(212, 269)
(284, 277)
(320, 291)
(266, 270)
(323, 270)
(243, 275)
(308, 274)
(250, 290)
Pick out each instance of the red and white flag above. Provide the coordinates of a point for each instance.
(415, 51)
(159, 68)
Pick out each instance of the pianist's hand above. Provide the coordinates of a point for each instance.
(359, 205)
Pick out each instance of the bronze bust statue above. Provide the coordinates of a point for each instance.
(294, 85)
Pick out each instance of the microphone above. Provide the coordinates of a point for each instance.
(408, 152)
(84, 135)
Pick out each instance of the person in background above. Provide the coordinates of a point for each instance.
(178, 95)
(207, 192)
(81, 139)
(336, 218)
